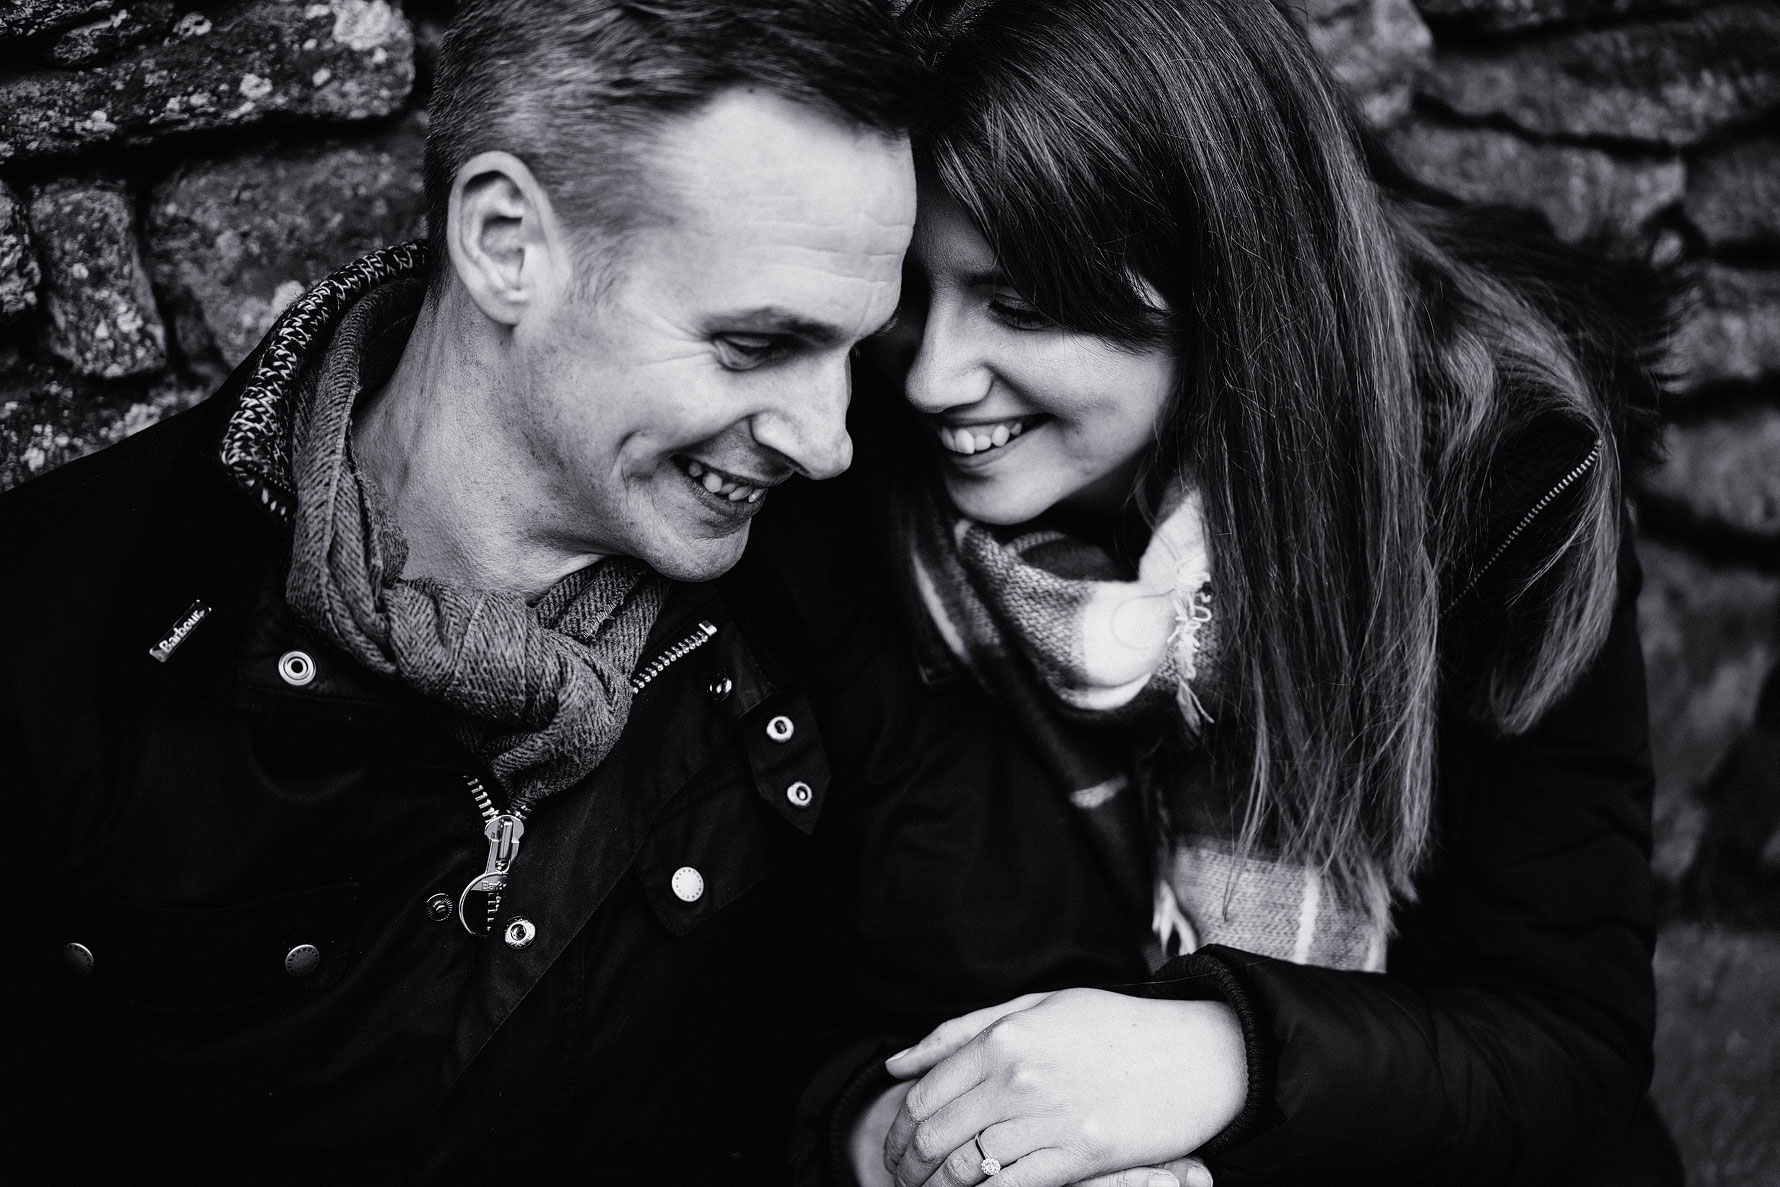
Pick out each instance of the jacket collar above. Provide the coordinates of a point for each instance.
(255, 447)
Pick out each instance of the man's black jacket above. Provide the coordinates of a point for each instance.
(226, 949)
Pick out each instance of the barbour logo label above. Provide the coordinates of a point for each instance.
(188, 622)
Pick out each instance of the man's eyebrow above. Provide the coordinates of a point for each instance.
(773, 319)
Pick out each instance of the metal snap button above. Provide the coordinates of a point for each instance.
(302, 960)
(296, 668)
(720, 687)
(438, 908)
(800, 794)
(78, 957)
(688, 884)
(780, 728)
(520, 932)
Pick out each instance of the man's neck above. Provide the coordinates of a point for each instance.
(448, 475)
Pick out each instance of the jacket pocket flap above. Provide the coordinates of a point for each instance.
(175, 958)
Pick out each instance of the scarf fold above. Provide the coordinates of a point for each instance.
(544, 691)
(1097, 665)
(1081, 657)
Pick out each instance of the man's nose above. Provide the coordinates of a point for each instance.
(807, 424)
(945, 373)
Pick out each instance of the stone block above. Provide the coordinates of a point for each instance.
(1733, 335)
(1710, 638)
(97, 40)
(102, 316)
(1509, 16)
(18, 264)
(342, 60)
(1578, 190)
(1377, 48)
(1718, 1052)
(1733, 193)
(49, 416)
(1725, 471)
(234, 241)
(28, 18)
(1671, 81)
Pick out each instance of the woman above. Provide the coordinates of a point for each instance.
(1283, 508)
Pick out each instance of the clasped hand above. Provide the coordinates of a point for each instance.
(1078, 1086)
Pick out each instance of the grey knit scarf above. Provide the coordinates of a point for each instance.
(544, 690)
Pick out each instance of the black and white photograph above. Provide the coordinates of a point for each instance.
(890, 593)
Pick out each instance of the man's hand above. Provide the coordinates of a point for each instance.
(865, 1145)
(1065, 1087)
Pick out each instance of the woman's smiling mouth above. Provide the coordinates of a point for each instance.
(984, 436)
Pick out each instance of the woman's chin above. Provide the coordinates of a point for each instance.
(999, 503)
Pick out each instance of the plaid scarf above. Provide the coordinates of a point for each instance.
(1096, 664)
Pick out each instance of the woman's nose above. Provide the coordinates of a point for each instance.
(947, 373)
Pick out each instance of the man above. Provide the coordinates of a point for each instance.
(387, 770)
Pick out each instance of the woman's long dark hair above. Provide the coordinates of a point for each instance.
(1343, 378)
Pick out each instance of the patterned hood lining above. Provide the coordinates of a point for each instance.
(256, 445)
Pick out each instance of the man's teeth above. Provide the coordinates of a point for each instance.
(735, 492)
(980, 438)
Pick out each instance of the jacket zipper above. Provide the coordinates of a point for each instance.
(504, 829)
(1533, 512)
(646, 675)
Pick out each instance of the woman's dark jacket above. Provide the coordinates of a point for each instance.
(1510, 1041)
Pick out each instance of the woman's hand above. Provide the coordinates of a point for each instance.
(1064, 1087)
(865, 1149)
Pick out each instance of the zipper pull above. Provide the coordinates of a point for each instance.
(503, 832)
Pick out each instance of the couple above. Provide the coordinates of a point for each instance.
(1210, 712)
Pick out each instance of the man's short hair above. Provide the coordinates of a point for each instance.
(569, 86)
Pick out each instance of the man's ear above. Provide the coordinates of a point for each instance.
(506, 244)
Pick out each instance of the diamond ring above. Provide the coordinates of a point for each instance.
(990, 1167)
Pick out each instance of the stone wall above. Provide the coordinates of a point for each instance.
(171, 175)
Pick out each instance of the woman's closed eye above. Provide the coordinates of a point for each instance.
(744, 352)
(1016, 313)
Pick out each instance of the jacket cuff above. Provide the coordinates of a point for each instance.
(844, 1087)
(1210, 975)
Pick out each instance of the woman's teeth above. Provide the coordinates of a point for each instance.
(980, 438)
(735, 492)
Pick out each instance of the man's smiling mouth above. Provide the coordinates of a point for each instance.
(723, 485)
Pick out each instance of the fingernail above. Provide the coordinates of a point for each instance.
(906, 1051)
(1198, 1176)
(1162, 1179)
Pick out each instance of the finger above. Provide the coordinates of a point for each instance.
(1191, 1172)
(964, 1166)
(954, 1076)
(1050, 1166)
(949, 1129)
(1187, 1172)
(948, 1037)
(1137, 1176)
